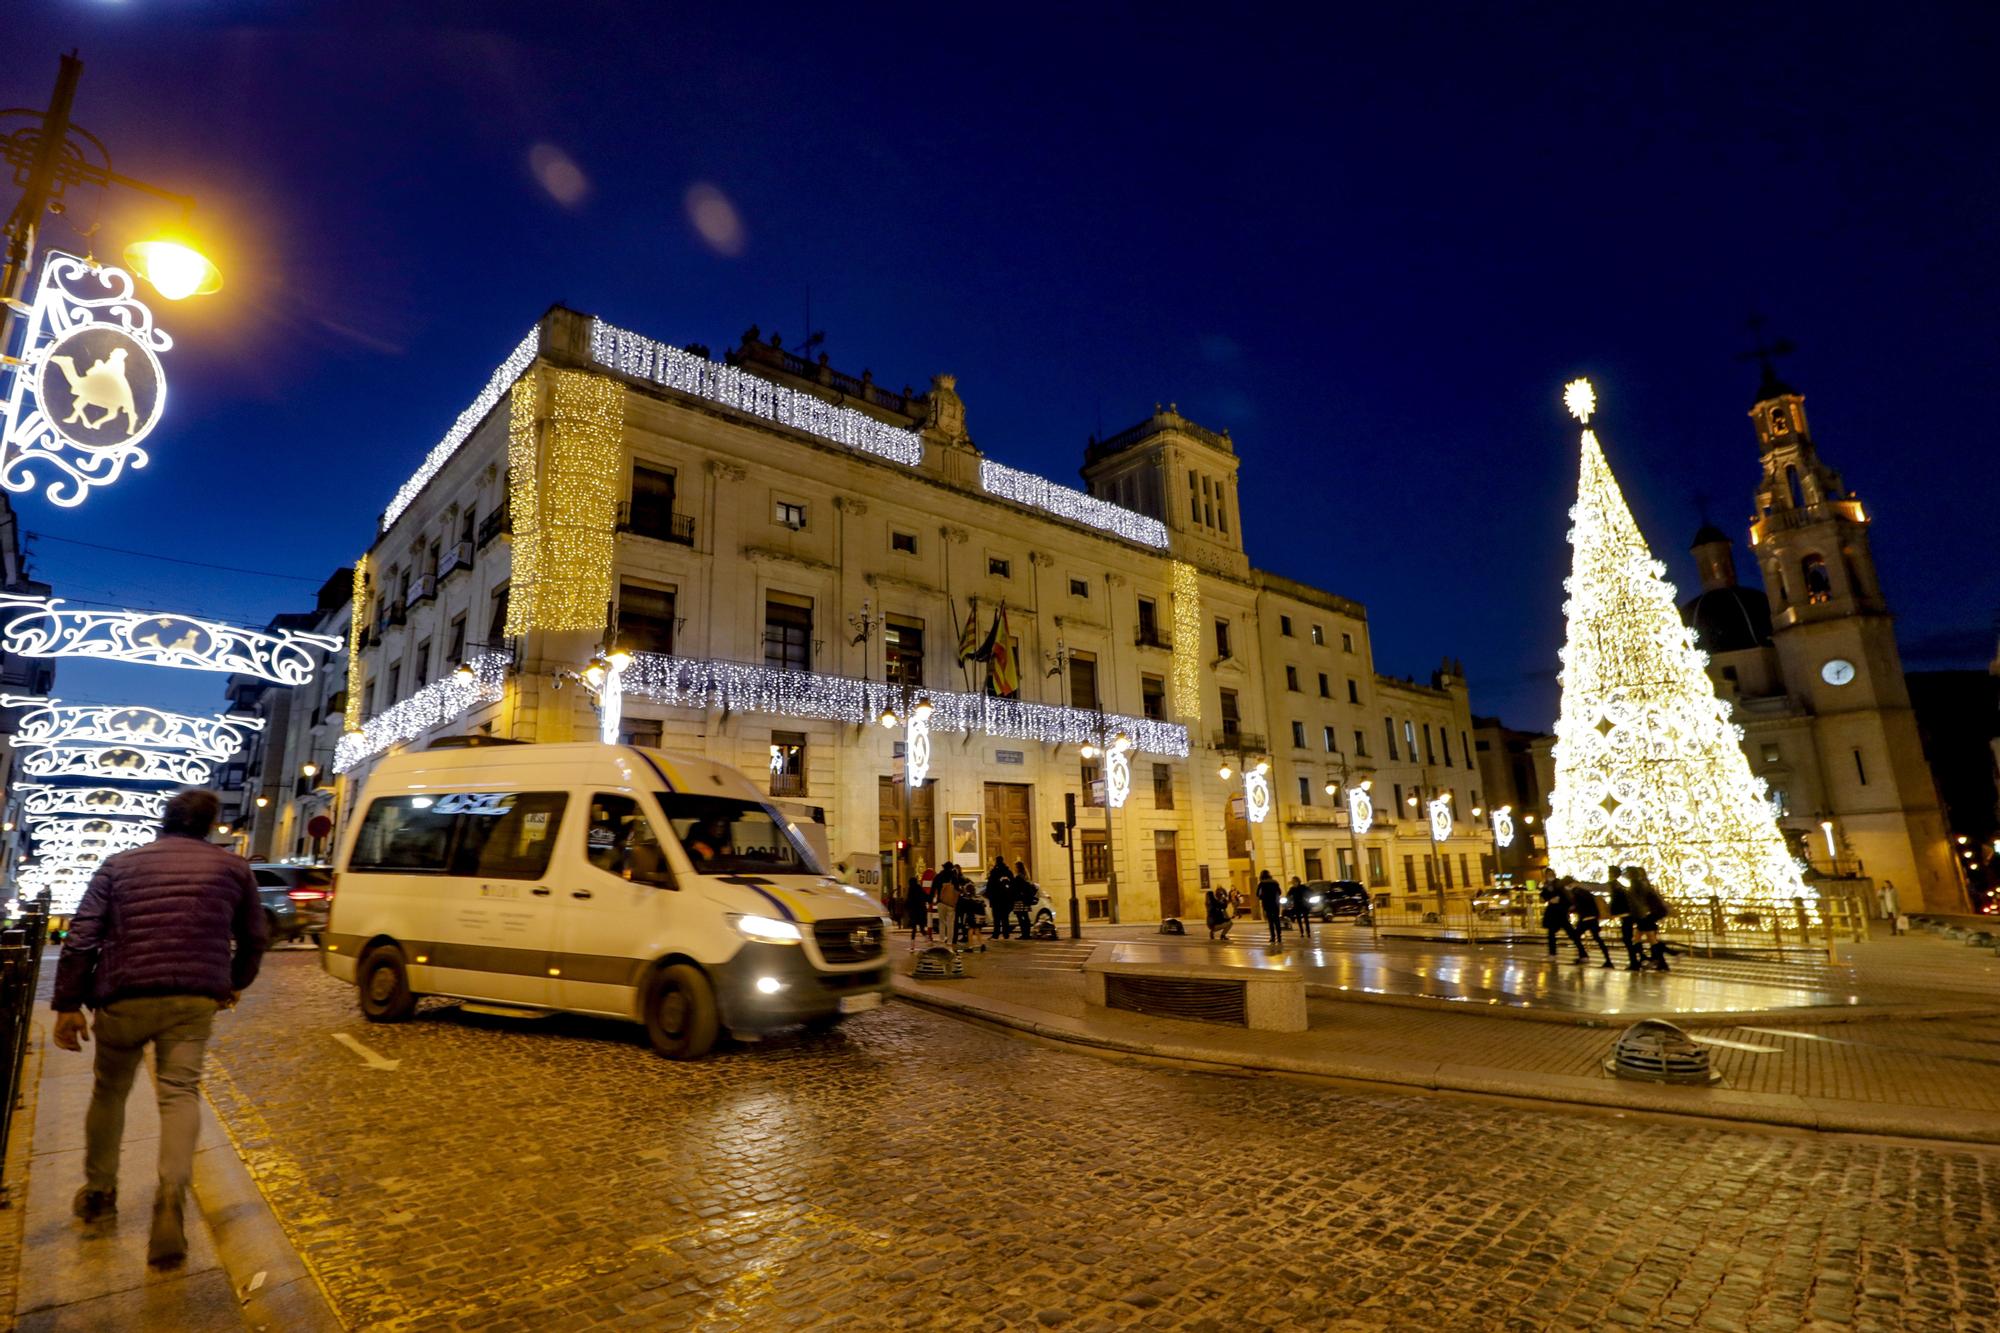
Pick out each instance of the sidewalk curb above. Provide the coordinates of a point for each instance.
(1821, 1114)
(250, 1240)
(1829, 1013)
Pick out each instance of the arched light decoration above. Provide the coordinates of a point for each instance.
(1440, 813)
(43, 627)
(41, 799)
(121, 763)
(61, 825)
(1360, 809)
(1649, 769)
(682, 371)
(1257, 793)
(1503, 826)
(51, 720)
(435, 705)
(98, 834)
(88, 388)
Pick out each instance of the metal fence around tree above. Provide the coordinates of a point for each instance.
(20, 972)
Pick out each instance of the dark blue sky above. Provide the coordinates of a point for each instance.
(1373, 244)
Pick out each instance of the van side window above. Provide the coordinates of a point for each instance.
(406, 834)
(623, 843)
(506, 835)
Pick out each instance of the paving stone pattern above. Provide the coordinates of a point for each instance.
(911, 1171)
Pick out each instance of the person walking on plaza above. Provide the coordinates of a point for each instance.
(1555, 915)
(917, 910)
(1026, 892)
(1653, 909)
(166, 935)
(1626, 909)
(1272, 899)
(1589, 917)
(1298, 901)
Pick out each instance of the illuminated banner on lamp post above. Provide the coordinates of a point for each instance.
(52, 721)
(39, 799)
(118, 762)
(88, 389)
(45, 627)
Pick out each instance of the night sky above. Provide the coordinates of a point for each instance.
(1373, 249)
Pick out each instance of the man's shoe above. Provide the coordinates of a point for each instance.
(168, 1244)
(93, 1204)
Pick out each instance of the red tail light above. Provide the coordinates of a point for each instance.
(308, 895)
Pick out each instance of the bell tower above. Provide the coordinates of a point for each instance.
(1871, 790)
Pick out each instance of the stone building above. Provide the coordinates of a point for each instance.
(1811, 667)
(789, 553)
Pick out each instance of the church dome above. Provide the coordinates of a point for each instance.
(1727, 620)
(1709, 533)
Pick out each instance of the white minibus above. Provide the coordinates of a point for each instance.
(600, 879)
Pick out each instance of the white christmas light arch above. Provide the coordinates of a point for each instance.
(51, 720)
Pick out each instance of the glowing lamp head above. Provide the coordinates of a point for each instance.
(1961, 840)
(619, 659)
(1580, 398)
(1527, 819)
(464, 674)
(922, 712)
(1411, 801)
(177, 271)
(1368, 784)
(1224, 773)
(1263, 767)
(1331, 788)
(1476, 812)
(309, 769)
(593, 676)
(263, 801)
(1121, 743)
(223, 829)
(889, 718)
(1089, 751)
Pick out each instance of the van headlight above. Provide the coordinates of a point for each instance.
(768, 929)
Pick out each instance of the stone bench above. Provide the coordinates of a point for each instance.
(1242, 987)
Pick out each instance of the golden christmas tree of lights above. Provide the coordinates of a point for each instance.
(1649, 770)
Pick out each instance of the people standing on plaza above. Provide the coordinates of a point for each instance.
(1000, 897)
(1298, 901)
(945, 885)
(917, 910)
(1026, 893)
(1892, 907)
(166, 935)
(1653, 909)
(1589, 918)
(1272, 899)
(892, 900)
(1216, 903)
(1555, 915)
(1626, 909)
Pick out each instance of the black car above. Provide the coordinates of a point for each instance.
(296, 899)
(1333, 899)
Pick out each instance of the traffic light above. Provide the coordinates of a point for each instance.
(1069, 808)
(902, 844)
(1059, 831)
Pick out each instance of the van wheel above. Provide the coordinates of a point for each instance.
(680, 1013)
(274, 934)
(384, 984)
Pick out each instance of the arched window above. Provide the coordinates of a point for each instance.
(1792, 485)
(1819, 584)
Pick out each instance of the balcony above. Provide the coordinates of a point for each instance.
(1234, 741)
(655, 521)
(391, 614)
(1153, 636)
(456, 558)
(423, 588)
(788, 784)
(498, 523)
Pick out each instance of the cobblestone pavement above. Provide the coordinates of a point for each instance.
(912, 1171)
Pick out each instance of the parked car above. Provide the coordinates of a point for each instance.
(295, 900)
(1504, 902)
(1333, 899)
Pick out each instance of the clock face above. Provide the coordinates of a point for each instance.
(1837, 671)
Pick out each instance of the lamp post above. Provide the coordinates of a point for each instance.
(1117, 786)
(916, 766)
(56, 154)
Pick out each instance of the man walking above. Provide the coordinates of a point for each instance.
(150, 950)
(1272, 899)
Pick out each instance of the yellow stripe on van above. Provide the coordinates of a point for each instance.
(784, 896)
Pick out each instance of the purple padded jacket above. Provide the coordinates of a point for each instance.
(159, 920)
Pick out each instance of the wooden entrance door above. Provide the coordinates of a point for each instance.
(923, 844)
(1167, 868)
(1008, 825)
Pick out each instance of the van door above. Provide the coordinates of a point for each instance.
(616, 910)
(500, 925)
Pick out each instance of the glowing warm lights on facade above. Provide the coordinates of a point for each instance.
(1186, 585)
(564, 482)
(357, 624)
(1649, 770)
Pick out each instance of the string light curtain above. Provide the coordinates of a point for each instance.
(357, 620)
(564, 499)
(1649, 770)
(1187, 642)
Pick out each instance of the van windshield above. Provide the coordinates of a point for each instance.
(726, 836)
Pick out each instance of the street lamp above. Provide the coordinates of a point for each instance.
(262, 801)
(309, 769)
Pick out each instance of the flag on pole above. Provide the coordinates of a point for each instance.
(1003, 673)
(968, 638)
